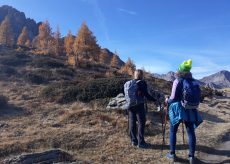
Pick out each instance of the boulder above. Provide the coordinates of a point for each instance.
(117, 102)
(49, 156)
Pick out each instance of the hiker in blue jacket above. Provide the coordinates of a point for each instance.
(138, 112)
(181, 111)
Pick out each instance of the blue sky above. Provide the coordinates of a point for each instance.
(157, 34)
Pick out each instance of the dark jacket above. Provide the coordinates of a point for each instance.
(176, 94)
(143, 90)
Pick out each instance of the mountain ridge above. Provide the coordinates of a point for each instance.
(170, 76)
(18, 20)
(217, 80)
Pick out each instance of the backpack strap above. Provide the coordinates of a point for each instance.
(180, 85)
(138, 81)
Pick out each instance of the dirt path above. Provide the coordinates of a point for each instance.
(220, 155)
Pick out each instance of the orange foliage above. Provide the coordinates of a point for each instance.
(128, 68)
(23, 39)
(6, 33)
(85, 44)
(68, 43)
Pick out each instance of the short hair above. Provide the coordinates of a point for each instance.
(138, 74)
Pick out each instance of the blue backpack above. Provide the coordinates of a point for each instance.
(132, 96)
(191, 94)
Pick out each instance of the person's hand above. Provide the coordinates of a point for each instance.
(166, 100)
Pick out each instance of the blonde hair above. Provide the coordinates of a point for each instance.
(138, 74)
(186, 75)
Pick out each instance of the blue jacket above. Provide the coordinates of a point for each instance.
(178, 113)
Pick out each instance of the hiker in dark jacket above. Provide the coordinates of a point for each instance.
(178, 112)
(138, 112)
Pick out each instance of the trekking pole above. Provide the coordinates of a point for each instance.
(164, 123)
(146, 106)
(162, 129)
(128, 122)
(183, 132)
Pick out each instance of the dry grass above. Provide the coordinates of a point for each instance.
(89, 132)
(92, 134)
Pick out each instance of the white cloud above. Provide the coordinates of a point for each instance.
(127, 11)
(206, 65)
(206, 70)
(205, 62)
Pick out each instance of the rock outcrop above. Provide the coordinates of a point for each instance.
(18, 20)
(117, 102)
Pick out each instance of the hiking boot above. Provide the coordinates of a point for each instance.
(143, 145)
(191, 160)
(134, 143)
(170, 156)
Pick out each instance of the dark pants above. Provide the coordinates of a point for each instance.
(137, 113)
(191, 137)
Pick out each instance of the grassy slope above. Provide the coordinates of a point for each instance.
(30, 123)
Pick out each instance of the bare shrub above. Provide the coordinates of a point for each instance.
(34, 78)
(7, 71)
(3, 101)
(46, 62)
(85, 91)
(15, 59)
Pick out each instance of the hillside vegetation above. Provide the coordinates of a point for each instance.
(54, 92)
(47, 104)
(63, 83)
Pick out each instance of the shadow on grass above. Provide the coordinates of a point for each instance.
(198, 161)
(10, 110)
(210, 117)
(202, 162)
(200, 148)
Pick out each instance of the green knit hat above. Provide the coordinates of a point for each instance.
(185, 66)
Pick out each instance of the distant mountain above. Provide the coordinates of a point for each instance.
(218, 80)
(110, 54)
(18, 20)
(170, 76)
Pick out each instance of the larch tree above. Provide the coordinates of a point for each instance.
(85, 45)
(28, 43)
(68, 43)
(23, 39)
(57, 45)
(129, 67)
(114, 61)
(104, 57)
(43, 41)
(6, 33)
